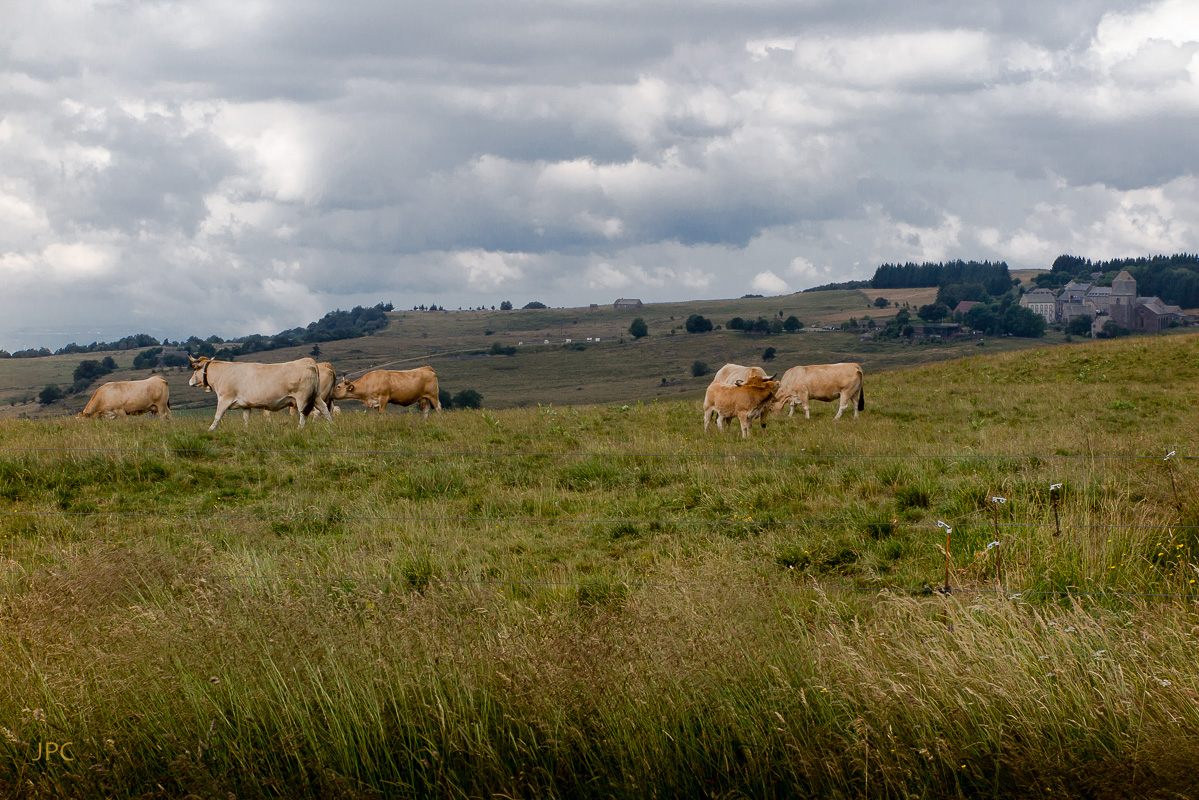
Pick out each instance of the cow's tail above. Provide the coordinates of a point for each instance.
(309, 404)
(861, 396)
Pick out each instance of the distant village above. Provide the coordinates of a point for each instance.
(1118, 303)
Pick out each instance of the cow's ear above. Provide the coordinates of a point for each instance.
(739, 382)
(349, 387)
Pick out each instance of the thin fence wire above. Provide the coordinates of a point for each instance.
(661, 521)
(167, 448)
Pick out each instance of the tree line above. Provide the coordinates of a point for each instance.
(994, 277)
(335, 325)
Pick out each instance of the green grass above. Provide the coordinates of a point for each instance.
(599, 600)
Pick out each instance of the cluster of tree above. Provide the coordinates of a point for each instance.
(90, 369)
(30, 353)
(1005, 317)
(697, 323)
(759, 325)
(534, 304)
(1175, 279)
(832, 287)
(126, 343)
(335, 325)
(498, 349)
(994, 277)
(423, 307)
(467, 398)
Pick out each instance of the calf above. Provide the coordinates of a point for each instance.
(745, 400)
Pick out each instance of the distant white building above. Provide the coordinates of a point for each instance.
(1041, 301)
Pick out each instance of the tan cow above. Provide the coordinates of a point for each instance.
(118, 398)
(800, 385)
(729, 374)
(247, 385)
(401, 386)
(746, 400)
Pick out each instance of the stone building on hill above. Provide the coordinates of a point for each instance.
(1118, 302)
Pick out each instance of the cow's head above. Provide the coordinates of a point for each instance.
(343, 390)
(198, 376)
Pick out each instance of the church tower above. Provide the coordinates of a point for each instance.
(1124, 298)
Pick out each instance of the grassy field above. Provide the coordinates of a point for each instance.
(617, 368)
(602, 601)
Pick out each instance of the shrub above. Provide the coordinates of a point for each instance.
(50, 394)
(698, 369)
(698, 324)
(638, 328)
(768, 354)
(535, 304)
(468, 398)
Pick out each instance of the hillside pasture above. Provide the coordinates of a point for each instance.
(600, 600)
(617, 369)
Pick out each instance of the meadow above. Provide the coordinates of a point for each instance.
(602, 601)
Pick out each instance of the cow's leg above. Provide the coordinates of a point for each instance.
(807, 413)
(791, 408)
(425, 406)
(322, 408)
(841, 404)
(744, 418)
(221, 407)
(383, 401)
(245, 416)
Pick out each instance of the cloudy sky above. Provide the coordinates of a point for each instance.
(240, 166)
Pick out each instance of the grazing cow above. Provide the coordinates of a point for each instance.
(247, 385)
(729, 374)
(821, 382)
(746, 400)
(382, 386)
(118, 398)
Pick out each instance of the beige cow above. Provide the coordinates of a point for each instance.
(746, 400)
(246, 385)
(800, 385)
(403, 387)
(118, 398)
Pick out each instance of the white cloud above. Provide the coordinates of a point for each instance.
(769, 283)
(489, 271)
